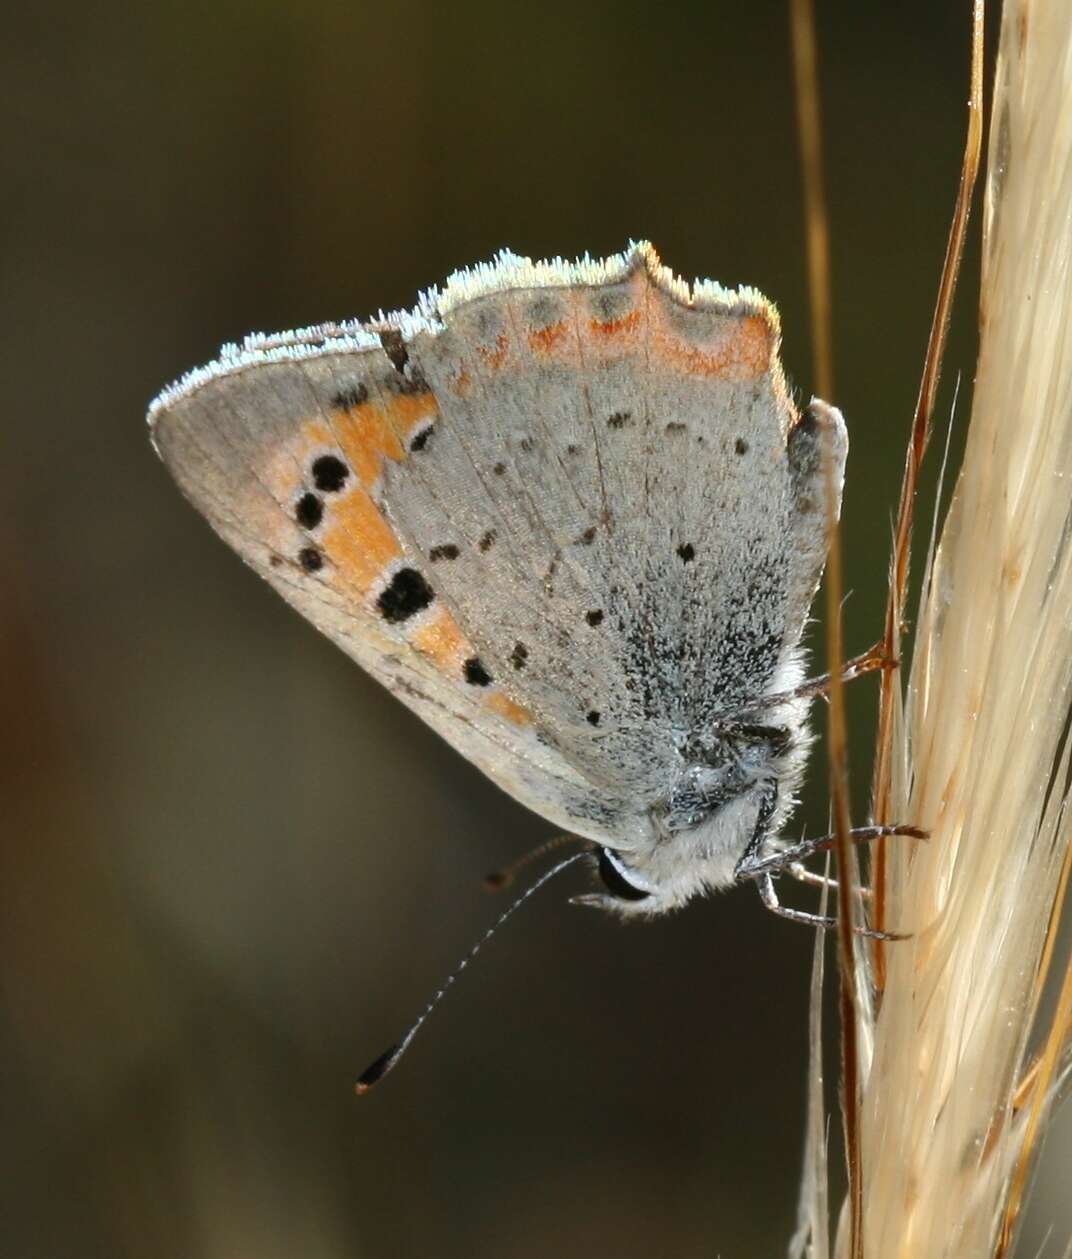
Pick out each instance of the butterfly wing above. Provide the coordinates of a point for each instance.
(284, 456)
(556, 511)
(632, 518)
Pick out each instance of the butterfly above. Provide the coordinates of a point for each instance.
(569, 515)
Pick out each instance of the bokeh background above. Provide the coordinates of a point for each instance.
(232, 868)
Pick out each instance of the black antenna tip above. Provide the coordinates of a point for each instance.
(497, 880)
(375, 1072)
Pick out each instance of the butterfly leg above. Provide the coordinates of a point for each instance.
(802, 874)
(761, 869)
(858, 667)
(765, 884)
(769, 897)
(752, 865)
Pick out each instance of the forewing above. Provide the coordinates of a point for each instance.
(285, 457)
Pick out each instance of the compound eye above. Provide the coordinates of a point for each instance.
(616, 880)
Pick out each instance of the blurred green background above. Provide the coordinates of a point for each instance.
(232, 867)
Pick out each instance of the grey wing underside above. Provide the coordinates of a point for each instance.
(604, 486)
(656, 533)
(221, 443)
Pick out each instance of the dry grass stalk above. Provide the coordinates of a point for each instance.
(889, 694)
(949, 1116)
(816, 219)
(805, 62)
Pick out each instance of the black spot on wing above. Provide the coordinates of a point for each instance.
(619, 419)
(406, 594)
(741, 446)
(309, 511)
(595, 617)
(310, 559)
(349, 397)
(687, 552)
(475, 673)
(329, 473)
(447, 551)
(592, 717)
(519, 656)
(488, 540)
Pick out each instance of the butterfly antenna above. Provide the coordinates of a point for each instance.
(386, 1062)
(503, 877)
